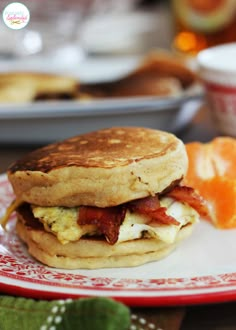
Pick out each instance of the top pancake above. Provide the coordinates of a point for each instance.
(106, 148)
(101, 168)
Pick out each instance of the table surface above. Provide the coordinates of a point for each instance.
(206, 317)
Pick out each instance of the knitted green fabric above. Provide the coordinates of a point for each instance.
(85, 313)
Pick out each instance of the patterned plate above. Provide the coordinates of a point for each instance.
(201, 270)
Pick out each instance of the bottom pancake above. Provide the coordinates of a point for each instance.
(90, 253)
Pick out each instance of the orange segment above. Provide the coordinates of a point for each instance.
(200, 164)
(220, 194)
(212, 172)
(224, 156)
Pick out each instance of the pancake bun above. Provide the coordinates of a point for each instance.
(102, 168)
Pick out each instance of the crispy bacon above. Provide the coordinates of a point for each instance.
(190, 197)
(151, 207)
(160, 216)
(144, 205)
(108, 220)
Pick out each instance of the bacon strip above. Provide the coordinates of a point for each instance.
(160, 216)
(145, 205)
(108, 220)
(189, 196)
(151, 207)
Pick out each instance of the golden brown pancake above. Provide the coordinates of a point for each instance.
(30, 86)
(102, 168)
(158, 74)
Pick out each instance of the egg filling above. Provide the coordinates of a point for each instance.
(63, 223)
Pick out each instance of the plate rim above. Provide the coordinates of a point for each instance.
(137, 301)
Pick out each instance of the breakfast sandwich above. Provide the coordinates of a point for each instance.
(109, 198)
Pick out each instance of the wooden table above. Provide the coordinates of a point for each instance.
(201, 317)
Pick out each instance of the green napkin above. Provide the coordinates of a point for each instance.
(84, 313)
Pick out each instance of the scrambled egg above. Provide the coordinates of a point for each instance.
(136, 225)
(62, 222)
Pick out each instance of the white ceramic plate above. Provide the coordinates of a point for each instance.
(201, 270)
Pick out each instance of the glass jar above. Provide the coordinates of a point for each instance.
(200, 24)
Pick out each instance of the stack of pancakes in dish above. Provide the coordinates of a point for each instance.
(158, 74)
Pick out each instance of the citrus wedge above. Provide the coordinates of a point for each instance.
(212, 172)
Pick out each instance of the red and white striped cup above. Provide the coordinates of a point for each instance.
(217, 69)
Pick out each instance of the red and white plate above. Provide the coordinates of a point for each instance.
(201, 270)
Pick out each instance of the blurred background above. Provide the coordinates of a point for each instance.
(60, 34)
(99, 41)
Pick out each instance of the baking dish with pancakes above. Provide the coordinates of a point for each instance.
(158, 74)
(50, 107)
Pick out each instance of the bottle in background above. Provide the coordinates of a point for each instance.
(200, 24)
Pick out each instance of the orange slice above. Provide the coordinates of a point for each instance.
(224, 156)
(212, 172)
